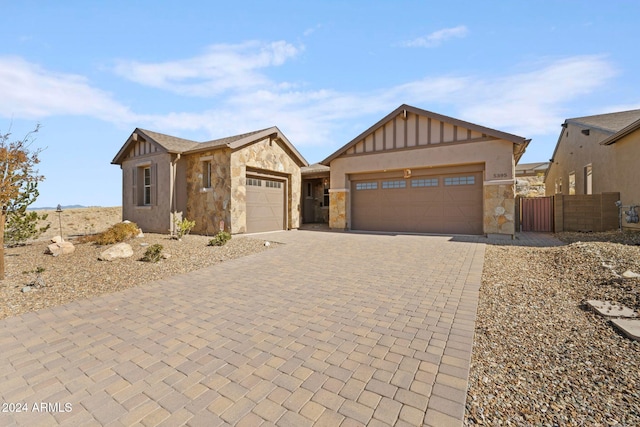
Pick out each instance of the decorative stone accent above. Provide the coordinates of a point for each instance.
(207, 207)
(499, 208)
(338, 209)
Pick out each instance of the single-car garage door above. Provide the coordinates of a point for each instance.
(265, 205)
(425, 202)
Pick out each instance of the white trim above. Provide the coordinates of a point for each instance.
(206, 158)
(500, 182)
(338, 190)
(143, 164)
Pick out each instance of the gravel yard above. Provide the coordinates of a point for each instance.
(80, 274)
(540, 356)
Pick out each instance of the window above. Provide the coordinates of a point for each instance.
(394, 184)
(325, 201)
(427, 182)
(588, 179)
(206, 174)
(309, 190)
(254, 182)
(366, 186)
(572, 183)
(147, 186)
(273, 184)
(558, 185)
(460, 180)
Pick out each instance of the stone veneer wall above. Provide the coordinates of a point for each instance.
(499, 208)
(338, 209)
(267, 157)
(207, 207)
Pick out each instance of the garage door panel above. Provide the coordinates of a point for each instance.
(423, 204)
(265, 205)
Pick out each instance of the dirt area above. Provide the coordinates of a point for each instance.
(79, 221)
(541, 356)
(81, 275)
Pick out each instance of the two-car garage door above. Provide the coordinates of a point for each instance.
(427, 201)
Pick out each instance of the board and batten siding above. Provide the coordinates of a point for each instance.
(414, 131)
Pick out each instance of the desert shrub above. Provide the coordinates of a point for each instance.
(115, 234)
(153, 253)
(22, 225)
(183, 227)
(220, 239)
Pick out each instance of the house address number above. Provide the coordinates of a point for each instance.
(500, 175)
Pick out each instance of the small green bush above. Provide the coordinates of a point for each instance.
(115, 234)
(153, 253)
(220, 239)
(183, 227)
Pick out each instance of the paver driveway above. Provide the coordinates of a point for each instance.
(327, 329)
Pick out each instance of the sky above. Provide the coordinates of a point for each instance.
(90, 72)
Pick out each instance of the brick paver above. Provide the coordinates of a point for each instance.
(325, 329)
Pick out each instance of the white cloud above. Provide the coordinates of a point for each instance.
(30, 91)
(437, 37)
(526, 103)
(223, 67)
(534, 102)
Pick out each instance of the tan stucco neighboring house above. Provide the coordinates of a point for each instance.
(241, 184)
(598, 154)
(418, 171)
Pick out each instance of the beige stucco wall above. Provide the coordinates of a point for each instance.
(497, 156)
(156, 217)
(575, 151)
(207, 207)
(626, 153)
(271, 158)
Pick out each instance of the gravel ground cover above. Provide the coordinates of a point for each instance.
(80, 274)
(540, 356)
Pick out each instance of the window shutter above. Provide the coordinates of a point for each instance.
(134, 179)
(154, 185)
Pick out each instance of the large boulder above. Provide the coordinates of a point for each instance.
(60, 248)
(119, 250)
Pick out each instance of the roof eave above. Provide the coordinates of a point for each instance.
(621, 134)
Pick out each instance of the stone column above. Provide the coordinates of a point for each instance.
(338, 208)
(499, 207)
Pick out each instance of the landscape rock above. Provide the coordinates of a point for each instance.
(119, 250)
(26, 289)
(57, 239)
(630, 275)
(62, 248)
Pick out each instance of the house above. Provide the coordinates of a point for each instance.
(418, 171)
(241, 184)
(530, 179)
(598, 154)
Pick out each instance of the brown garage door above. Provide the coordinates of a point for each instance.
(428, 203)
(265, 205)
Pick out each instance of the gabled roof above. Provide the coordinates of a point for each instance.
(418, 111)
(609, 122)
(622, 133)
(174, 145)
(531, 168)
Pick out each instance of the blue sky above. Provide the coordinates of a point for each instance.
(322, 71)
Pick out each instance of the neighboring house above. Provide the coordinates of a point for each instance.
(598, 154)
(418, 171)
(530, 179)
(241, 184)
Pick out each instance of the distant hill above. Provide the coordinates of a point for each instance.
(48, 208)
